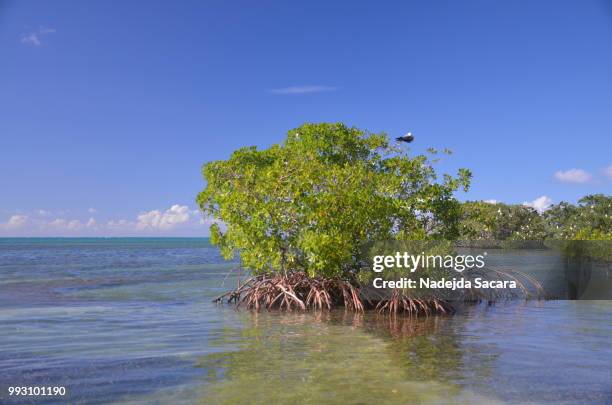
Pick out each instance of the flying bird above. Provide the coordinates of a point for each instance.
(406, 138)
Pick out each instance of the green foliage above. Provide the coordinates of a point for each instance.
(583, 231)
(481, 220)
(591, 219)
(311, 203)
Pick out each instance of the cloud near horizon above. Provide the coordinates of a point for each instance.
(174, 221)
(577, 176)
(540, 204)
(303, 89)
(173, 216)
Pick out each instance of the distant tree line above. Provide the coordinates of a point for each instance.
(590, 219)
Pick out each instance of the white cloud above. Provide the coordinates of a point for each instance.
(303, 89)
(61, 224)
(171, 218)
(58, 223)
(573, 176)
(491, 201)
(39, 225)
(74, 225)
(92, 210)
(15, 222)
(35, 38)
(31, 39)
(540, 204)
(176, 220)
(608, 171)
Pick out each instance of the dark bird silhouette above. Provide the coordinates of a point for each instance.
(406, 138)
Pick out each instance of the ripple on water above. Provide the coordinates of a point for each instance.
(131, 321)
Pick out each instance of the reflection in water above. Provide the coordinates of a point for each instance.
(337, 357)
(528, 352)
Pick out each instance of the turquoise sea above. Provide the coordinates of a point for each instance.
(130, 320)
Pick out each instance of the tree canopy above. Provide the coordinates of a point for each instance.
(310, 203)
(482, 220)
(590, 219)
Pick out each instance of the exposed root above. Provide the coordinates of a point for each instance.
(295, 291)
(298, 291)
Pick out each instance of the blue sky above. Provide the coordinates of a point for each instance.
(109, 109)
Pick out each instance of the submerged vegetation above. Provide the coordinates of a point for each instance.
(298, 215)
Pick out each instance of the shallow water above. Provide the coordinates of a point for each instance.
(130, 320)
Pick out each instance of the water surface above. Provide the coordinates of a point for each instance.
(130, 321)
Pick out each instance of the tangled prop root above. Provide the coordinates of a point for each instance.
(294, 291)
(298, 291)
